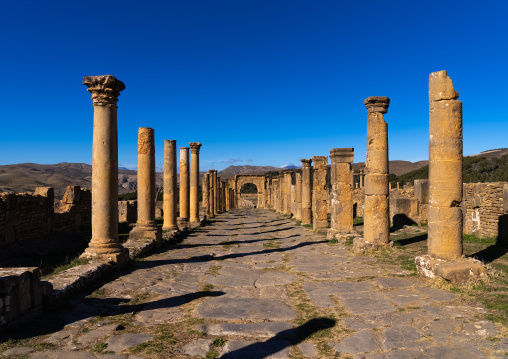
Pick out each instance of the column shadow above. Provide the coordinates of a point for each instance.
(281, 341)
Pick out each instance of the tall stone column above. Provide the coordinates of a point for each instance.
(287, 191)
(184, 186)
(298, 196)
(104, 245)
(216, 193)
(282, 195)
(146, 227)
(341, 195)
(228, 199)
(206, 194)
(170, 186)
(306, 191)
(224, 198)
(376, 209)
(211, 199)
(194, 182)
(445, 219)
(320, 193)
(293, 201)
(275, 193)
(445, 168)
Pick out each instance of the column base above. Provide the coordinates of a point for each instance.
(360, 245)
(455, 271)
(170, 228)
(119, 258)
(319, 224)
(183, 223)
(151, 233)
(341, 235)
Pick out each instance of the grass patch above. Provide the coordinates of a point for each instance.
(227, 244)
(100, 348)
(207, 287)
(98, 293)
(308, 225)
(358, 221)
(272, 244)
(333, 241)
(487, 241)
(72, 263)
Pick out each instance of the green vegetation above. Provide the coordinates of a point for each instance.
(476, 169)
(249, 188)
(129, 196)
(72, 263)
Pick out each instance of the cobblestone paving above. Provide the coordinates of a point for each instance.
(254, 285)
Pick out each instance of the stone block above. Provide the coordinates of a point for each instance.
(72, 195)
(441, 87)
(457, 271)
(421, 191)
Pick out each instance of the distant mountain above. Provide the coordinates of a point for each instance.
(242, 170)
(24, 177)
(289, 167)
(397, 167)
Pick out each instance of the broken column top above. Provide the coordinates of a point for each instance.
(146, 143)
(342, 154)
(377, 104)
(195, 146)
(105, 89)
(306, 162)
(441, 87)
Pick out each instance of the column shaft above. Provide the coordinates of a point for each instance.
(320, 194)
(184, 184)
(170, 186)
(306, 192)
(445, 168)
(341, 195)
(194, 182)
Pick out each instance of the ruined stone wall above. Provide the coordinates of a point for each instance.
(128, 211)
(485, 208)
(29, 216)
(358, 201)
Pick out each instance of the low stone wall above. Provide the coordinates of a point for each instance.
(21, 293)
(127, 211)
(27, 216)
(485, 209)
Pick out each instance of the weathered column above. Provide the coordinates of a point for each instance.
(206, 194)
(170, 186)
(146, 227)
(306, 191)
(445, 168)
(216, 193)
(320, 193)
(211, 199)
(104, 244)
(341, 195)
(275, 193)
(445, 219)
(362, 179)
(298, 196)
(293, 201)
(282, 195)
(287, 192)
(184, 186)
(194, 182)
(376, 211)
(228, 199)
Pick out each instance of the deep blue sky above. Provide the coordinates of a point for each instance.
(260, 82)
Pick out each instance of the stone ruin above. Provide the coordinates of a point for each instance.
(448, 206)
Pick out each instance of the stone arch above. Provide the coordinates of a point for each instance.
(258, 180)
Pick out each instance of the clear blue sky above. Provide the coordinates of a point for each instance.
(259, 82)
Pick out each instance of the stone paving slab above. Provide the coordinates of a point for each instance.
(256, 350)
(245, 308)
(259, 330)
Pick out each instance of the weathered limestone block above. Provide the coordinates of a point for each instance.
(170, 186)
(104, 244)
(376, 208)
(341, 196)
(320, 193)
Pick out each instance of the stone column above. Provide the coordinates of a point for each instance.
(228, 198)
(170, 186)
(184, 186)
(282, 194)
(211, 199)
(362, 179)
(194, 182)
(288, 179)
(306, 191)
(216, 193)
(341, 195)
(146, 227)
(104, 244)
(445, 168)
(206, 194)
(376, 211)
(298, 196)
(294, 202)
(320, 193)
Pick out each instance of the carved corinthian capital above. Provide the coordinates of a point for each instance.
(195, 146)
(104, 89)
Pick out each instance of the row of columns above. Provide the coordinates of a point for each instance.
(445, 179)
(218, 195)
(104, 244)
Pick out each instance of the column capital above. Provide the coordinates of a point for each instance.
(104, 89)
(342, 155)
(306, 162)
(377, 104)
(320, 159)
(288, 172)
(195, 146)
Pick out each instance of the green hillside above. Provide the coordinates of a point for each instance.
(476, 169)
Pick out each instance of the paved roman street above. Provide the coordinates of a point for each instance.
(252, 284)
